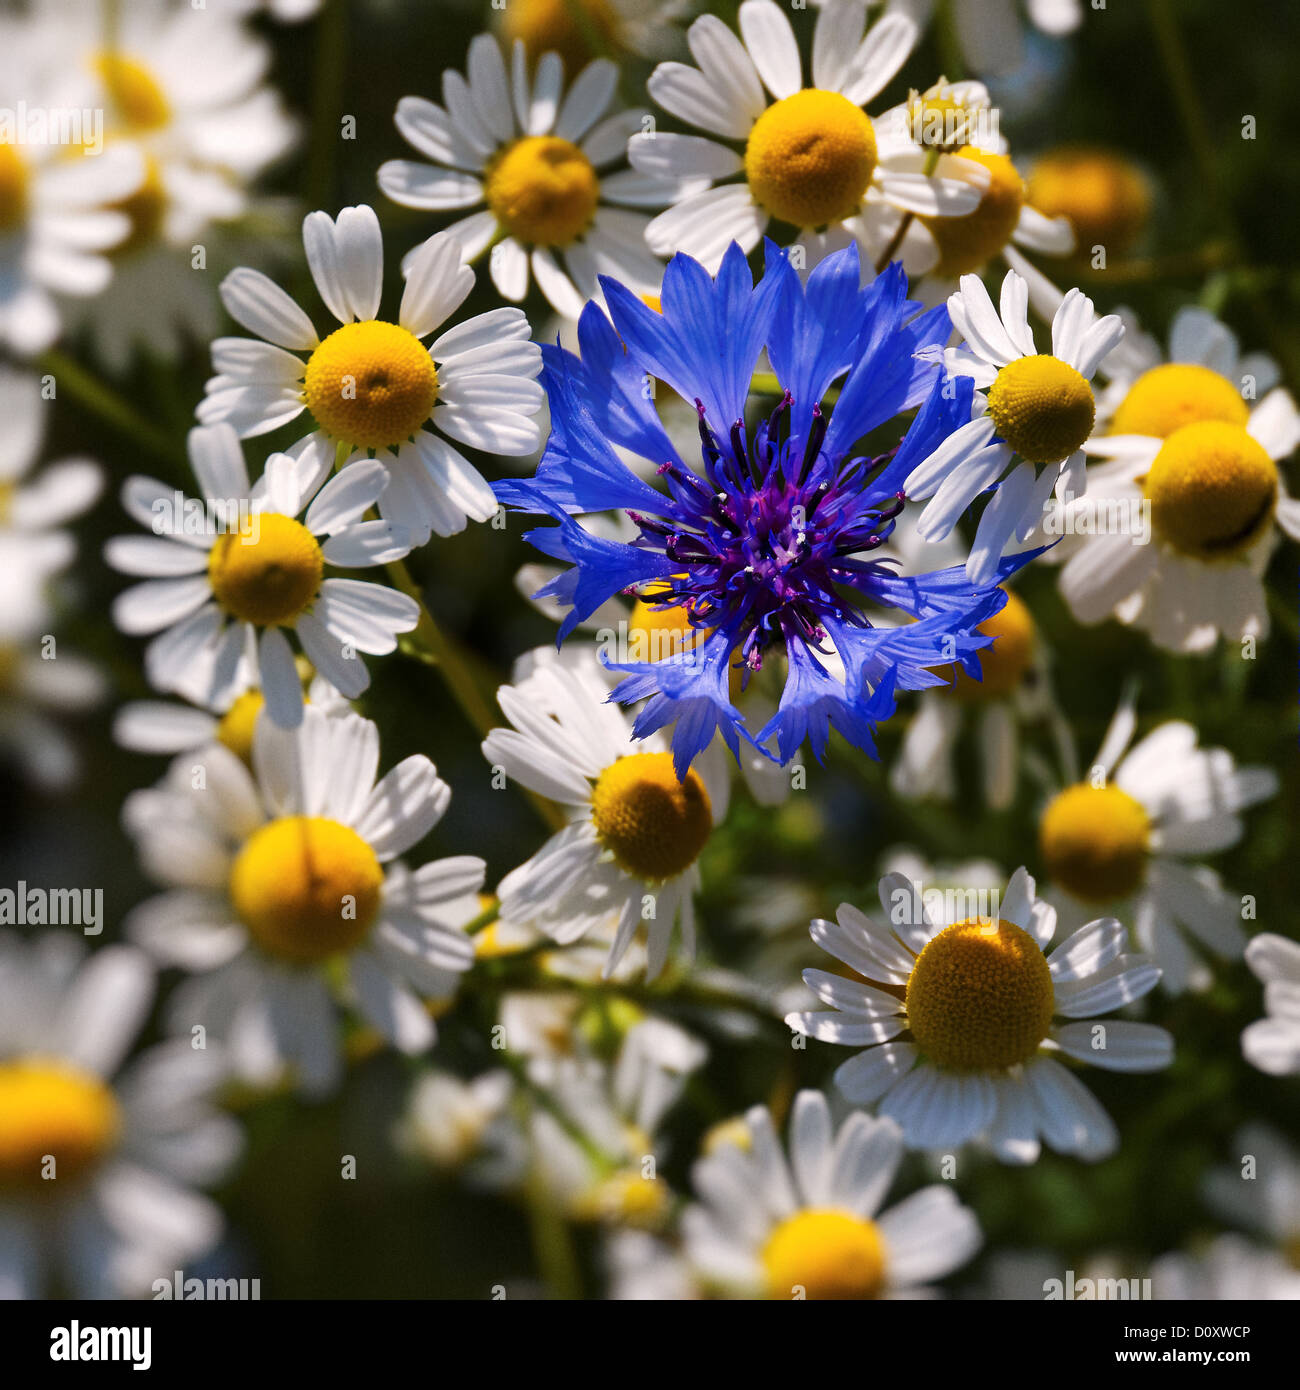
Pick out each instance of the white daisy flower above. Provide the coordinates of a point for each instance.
(991, 33)
(596, 1146)
(962, 1025)
(543, 162)
(1197, 440)
(58, 191)
(1037, 406)
(952, 131)
(284, 879)
(628, 856)
(186, 87)
(811, 157)
(210, 588)
(464, 1127)
(806, 1225)
(97, 1160)
(580, 30)
(1273, 1043)
(372, 385)
(1121, 840)
(1230, 1268)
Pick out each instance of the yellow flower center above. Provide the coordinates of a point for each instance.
(268, 571)
(810, 158)
(939, 120)
(134, 91)
(1004, 663)
(828, 1254)
(578, 30)
(543, 190)
(1104, 197)
(654, 825)
(49, 1108)
(13, 188)
(965, 243)
(1212, 490)
(980, 996)
(1094, 842)
(1042, 407)
(145, 208)
(371, 384)
(1168, 397)
(306, 888)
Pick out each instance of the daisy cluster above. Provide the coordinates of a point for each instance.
(678, 892)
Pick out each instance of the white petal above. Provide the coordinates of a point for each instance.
(260, 305)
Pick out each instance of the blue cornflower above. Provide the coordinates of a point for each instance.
(769, 543)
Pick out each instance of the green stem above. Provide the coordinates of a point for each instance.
(1179, 72)
(431, 644)
(327, 95)
(557, 1263)
(105, 404)
(484, 920)
(1182, 83)
(954, 66)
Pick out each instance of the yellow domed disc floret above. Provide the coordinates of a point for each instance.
(51, 1108)
(810, 158)
(980, 996)
(543, 190)
(965, 243)
(828, 1254)
(1042, 407)
(1094, 842)
(372, 384)
(1213, 491)
(1168, 397)
(134, 91)
(1004, 664)
(1104, 197)
(578, 30)
(267, 572)
(13, 188)
(306, 888)
(654, 825)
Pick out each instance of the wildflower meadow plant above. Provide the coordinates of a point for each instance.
(647, 651)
